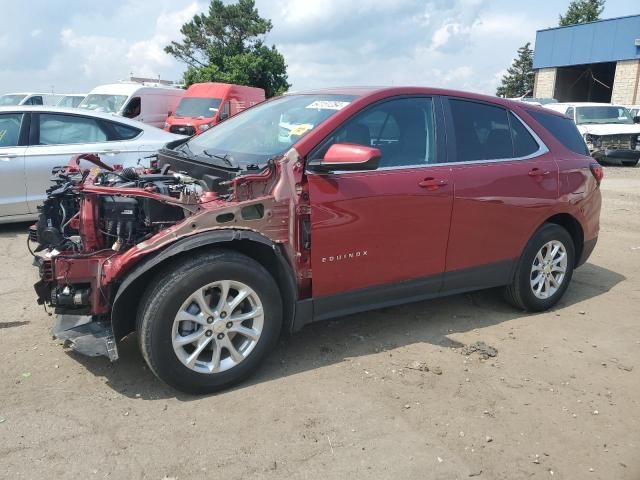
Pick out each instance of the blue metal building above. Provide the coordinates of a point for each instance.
(597, 61)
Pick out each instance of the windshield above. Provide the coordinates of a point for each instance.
(70, 101)
(266, 130)
(10, 100)
(603, 114)
(103, 103)
(195, 107)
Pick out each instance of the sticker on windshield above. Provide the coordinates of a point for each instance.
(300, 129)
(328, 105)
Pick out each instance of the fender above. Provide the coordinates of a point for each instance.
(123, 312)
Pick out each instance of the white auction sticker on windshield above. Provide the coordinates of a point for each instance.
(328, 105)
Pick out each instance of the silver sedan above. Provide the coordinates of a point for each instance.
(34, 140)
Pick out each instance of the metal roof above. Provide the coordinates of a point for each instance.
(608, 40)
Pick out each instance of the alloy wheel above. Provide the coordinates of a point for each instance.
(549, 269)
(217, 326)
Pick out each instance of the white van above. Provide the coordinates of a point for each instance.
(150, 104)
(29, 98)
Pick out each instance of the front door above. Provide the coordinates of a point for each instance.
(379, 228)
(13, 198)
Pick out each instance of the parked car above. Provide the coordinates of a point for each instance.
(206, 104)
(34, 140)
(147, 103)
(71, 100)
(14, 99)
(378, 197)
(610, 131)
(634, 110)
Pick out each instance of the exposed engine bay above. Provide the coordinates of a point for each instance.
(97, 223)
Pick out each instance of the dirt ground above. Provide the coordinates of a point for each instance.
(349, 398)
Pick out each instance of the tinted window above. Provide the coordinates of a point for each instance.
(124, 132)
(563, 129)
(10, 129)
(58, 129)
(569, 113)
(523, 142)
(402, 129)
(132, 110)
(482, 131)
(35, 101)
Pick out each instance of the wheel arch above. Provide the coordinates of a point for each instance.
(573, 227)
(249, 243)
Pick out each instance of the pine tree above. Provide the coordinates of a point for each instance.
(582, 11)
(518, 81)
(227, 45)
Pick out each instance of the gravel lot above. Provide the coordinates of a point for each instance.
(349, 398)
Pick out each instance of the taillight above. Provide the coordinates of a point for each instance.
(597, 171)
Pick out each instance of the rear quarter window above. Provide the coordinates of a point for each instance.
(563, 129)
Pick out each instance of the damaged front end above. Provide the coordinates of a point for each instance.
(97, 224)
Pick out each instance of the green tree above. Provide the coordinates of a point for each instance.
(226, 44)
(518, 81)
(582, 11)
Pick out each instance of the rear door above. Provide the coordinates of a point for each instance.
(506, 182)
(56, 137)
(13, 197)
(378, 228)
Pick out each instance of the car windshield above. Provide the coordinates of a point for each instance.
(10, 100)
(266, 130)
(603, 114)
(103, 103)
(196, 107)
(70, 101)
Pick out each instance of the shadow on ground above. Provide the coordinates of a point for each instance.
(326, 343)
(14, 230)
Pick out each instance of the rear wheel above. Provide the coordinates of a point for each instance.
(544, 270)
(209, 321)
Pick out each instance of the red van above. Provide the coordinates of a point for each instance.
(206, 104)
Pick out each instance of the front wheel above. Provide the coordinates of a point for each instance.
(208, 322)
(544, 270)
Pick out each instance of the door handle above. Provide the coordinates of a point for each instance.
(536, 172)
(431, 183)
(5, 157)
(111, 152)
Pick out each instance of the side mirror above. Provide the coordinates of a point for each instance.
(348, 157)
(169, 113)
(636, 119)
(223, 115)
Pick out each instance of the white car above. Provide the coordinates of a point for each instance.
(29, 98)
(34, 140)
(608, 130)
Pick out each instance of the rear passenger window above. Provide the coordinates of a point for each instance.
(523, 142)
(563, 129)
(124, 132)
(402, 129)
(56, 129)
(10, 129)
(482, 131)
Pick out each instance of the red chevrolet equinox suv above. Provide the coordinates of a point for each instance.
(307, 207)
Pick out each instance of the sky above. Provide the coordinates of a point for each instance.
(71, 46)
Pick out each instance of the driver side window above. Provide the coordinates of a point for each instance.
(133, 108)
(402, 129)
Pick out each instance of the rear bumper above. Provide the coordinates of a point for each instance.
(587, 249)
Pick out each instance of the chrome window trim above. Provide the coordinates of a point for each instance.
(542, 149)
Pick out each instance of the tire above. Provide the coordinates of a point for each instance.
(527, 294)
(185, 302)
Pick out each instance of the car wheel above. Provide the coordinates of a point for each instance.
(544, 270)
(208, 322)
